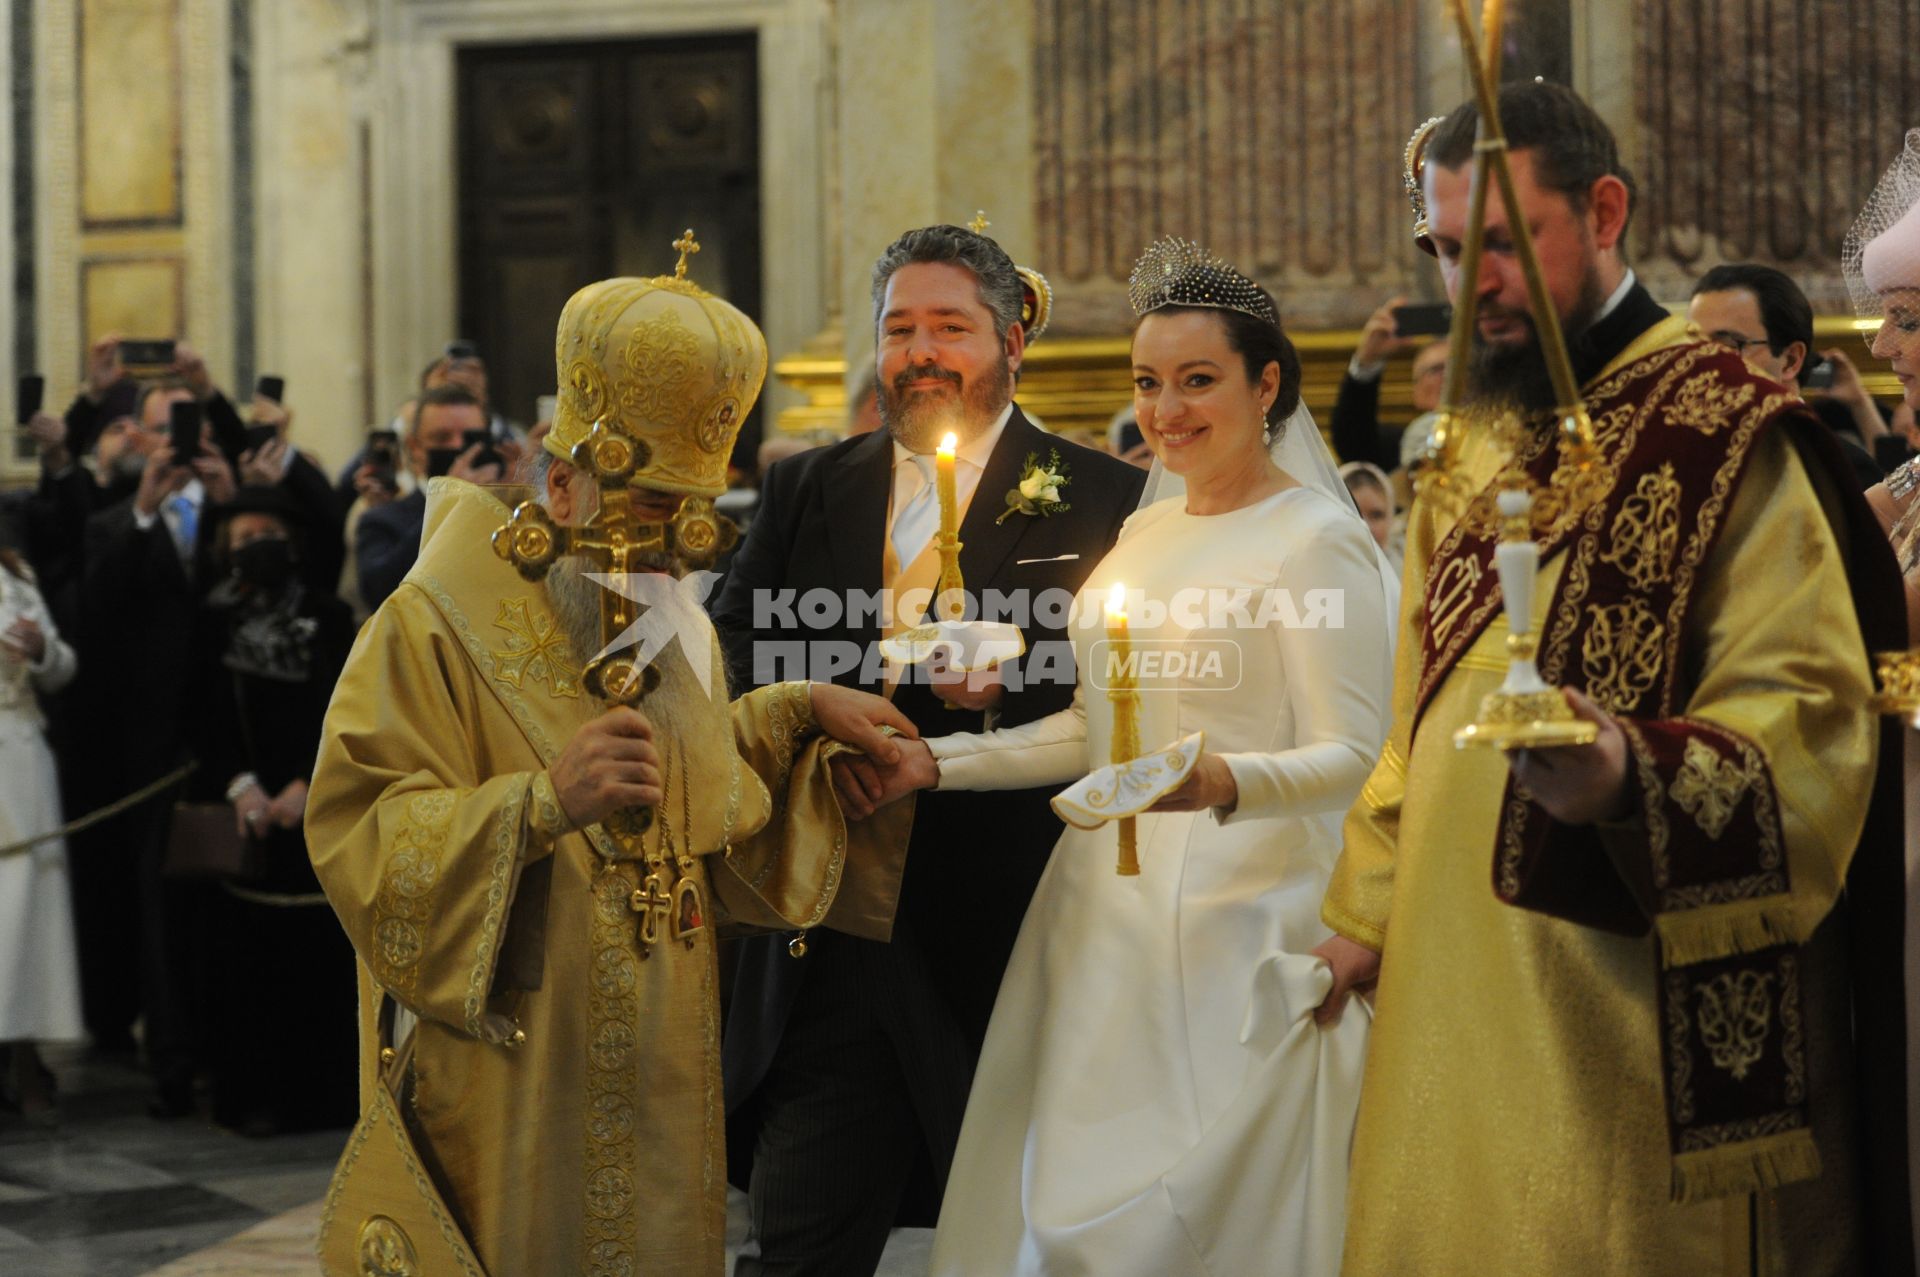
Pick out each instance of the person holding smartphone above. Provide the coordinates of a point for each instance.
(1356, 429)
(387, 537)
(140, 599)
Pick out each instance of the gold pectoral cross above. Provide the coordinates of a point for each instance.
(654, 903)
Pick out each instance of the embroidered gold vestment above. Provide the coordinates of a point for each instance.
(565, 1088)
(1519, 1114)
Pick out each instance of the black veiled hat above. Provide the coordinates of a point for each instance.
(259, 498)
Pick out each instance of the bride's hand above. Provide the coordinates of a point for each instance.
(1209, 784)
(1356, 969)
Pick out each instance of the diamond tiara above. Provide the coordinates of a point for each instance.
(1178, 272)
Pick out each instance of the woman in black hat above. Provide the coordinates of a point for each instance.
(282, 974)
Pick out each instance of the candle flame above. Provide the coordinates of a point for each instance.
(949, 442)
(1117, 599)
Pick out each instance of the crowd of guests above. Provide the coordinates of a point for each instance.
(1753, 309)
(162, 610)
(178, 593)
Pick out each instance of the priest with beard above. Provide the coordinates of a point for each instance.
(549, 1029)
(1638, 1002)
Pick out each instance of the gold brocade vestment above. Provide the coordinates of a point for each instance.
(1514, 1116)
(594, 1144)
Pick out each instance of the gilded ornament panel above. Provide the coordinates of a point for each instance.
(1621, 654)
(1646, 532)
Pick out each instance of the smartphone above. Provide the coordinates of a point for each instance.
(185, 423)
(383, 448)
(440, 460)
(274, 388)
(1820, 376)
(146, 353)
(33, 392)
(461, 348)
(488, 454)
(1426, 319)
(259, 436)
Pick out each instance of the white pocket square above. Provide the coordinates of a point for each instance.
(1058, 558)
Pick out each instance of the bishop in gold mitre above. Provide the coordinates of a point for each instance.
(561, 1086)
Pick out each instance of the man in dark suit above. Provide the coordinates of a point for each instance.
(386, 541)
(848, 1061)
(145, 569)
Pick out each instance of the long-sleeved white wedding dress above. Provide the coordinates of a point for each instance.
(1154, 1097)
(39, 969)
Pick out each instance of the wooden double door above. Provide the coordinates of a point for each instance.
(582, 161)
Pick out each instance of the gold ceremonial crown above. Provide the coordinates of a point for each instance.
(1036, 294)
(667, 365)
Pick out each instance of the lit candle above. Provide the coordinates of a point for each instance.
(950, 592)
(949, 502)
(1126, 726)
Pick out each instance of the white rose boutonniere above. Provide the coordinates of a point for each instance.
(1039, 490)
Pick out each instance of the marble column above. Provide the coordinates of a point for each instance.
(311, 88)
(935, 113)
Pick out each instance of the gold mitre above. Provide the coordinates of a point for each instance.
(665, 364)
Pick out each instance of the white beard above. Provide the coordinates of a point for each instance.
(678, 702)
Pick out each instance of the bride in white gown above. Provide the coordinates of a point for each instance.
(1155, 1096)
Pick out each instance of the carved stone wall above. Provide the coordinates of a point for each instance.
(1762, 126)
(1270, 132)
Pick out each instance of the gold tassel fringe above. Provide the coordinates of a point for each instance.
(1746, 1167)
(1712, 932)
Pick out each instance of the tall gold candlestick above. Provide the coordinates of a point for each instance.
(950, 598)
(1125, 698)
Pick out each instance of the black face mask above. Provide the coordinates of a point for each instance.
(265, 564)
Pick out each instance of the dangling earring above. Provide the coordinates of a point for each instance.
(1266, 429)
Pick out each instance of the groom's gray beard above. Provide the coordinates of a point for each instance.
(918, 422)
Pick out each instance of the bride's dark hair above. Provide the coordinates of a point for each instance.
(1258, 342)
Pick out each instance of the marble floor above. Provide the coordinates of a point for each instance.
(111, 1192)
